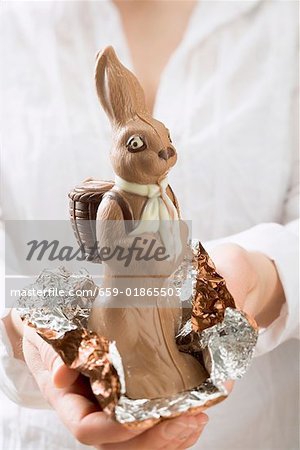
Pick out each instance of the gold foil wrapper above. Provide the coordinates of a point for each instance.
(211, 296)
(85, 351)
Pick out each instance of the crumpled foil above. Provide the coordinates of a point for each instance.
(228, 346)
(143, 410)
(218, 335)
(60, 316)
(48, 304)
(203, 290)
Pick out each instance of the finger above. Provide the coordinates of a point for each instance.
(169, 434)
(80, 414)
(232, 263)
(62, 376)
(189, 442)
(82, 417)
(89, 425)
(193, 438)
(229, 385)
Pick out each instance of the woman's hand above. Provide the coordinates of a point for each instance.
(71, 396)
(253, 281)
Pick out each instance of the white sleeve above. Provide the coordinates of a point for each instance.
(280, 244)
(16, 381)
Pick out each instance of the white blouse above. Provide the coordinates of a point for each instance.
(229, 96)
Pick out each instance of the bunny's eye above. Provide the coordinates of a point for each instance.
(169, 137)
(135, 144)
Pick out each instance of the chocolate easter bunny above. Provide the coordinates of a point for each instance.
(142, 155)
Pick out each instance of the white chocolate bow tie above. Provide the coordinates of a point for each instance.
(159, 212)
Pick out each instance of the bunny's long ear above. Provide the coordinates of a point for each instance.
(119, 91)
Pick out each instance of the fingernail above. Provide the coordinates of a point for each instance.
(202, 420)
(180, 429)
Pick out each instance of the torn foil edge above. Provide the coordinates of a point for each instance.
(131, 411)
(116, 360)
(227, 347)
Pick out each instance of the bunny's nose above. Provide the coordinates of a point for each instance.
(166, 153)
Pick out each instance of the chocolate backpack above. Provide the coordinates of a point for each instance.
(84, 203)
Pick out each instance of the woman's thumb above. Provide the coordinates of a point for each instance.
(62, 375)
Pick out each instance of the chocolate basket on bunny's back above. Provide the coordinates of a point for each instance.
(83, 206)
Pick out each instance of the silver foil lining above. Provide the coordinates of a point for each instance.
(227, 347)
(129, 411)
(58, 300)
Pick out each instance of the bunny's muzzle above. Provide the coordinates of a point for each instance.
(166, 153)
